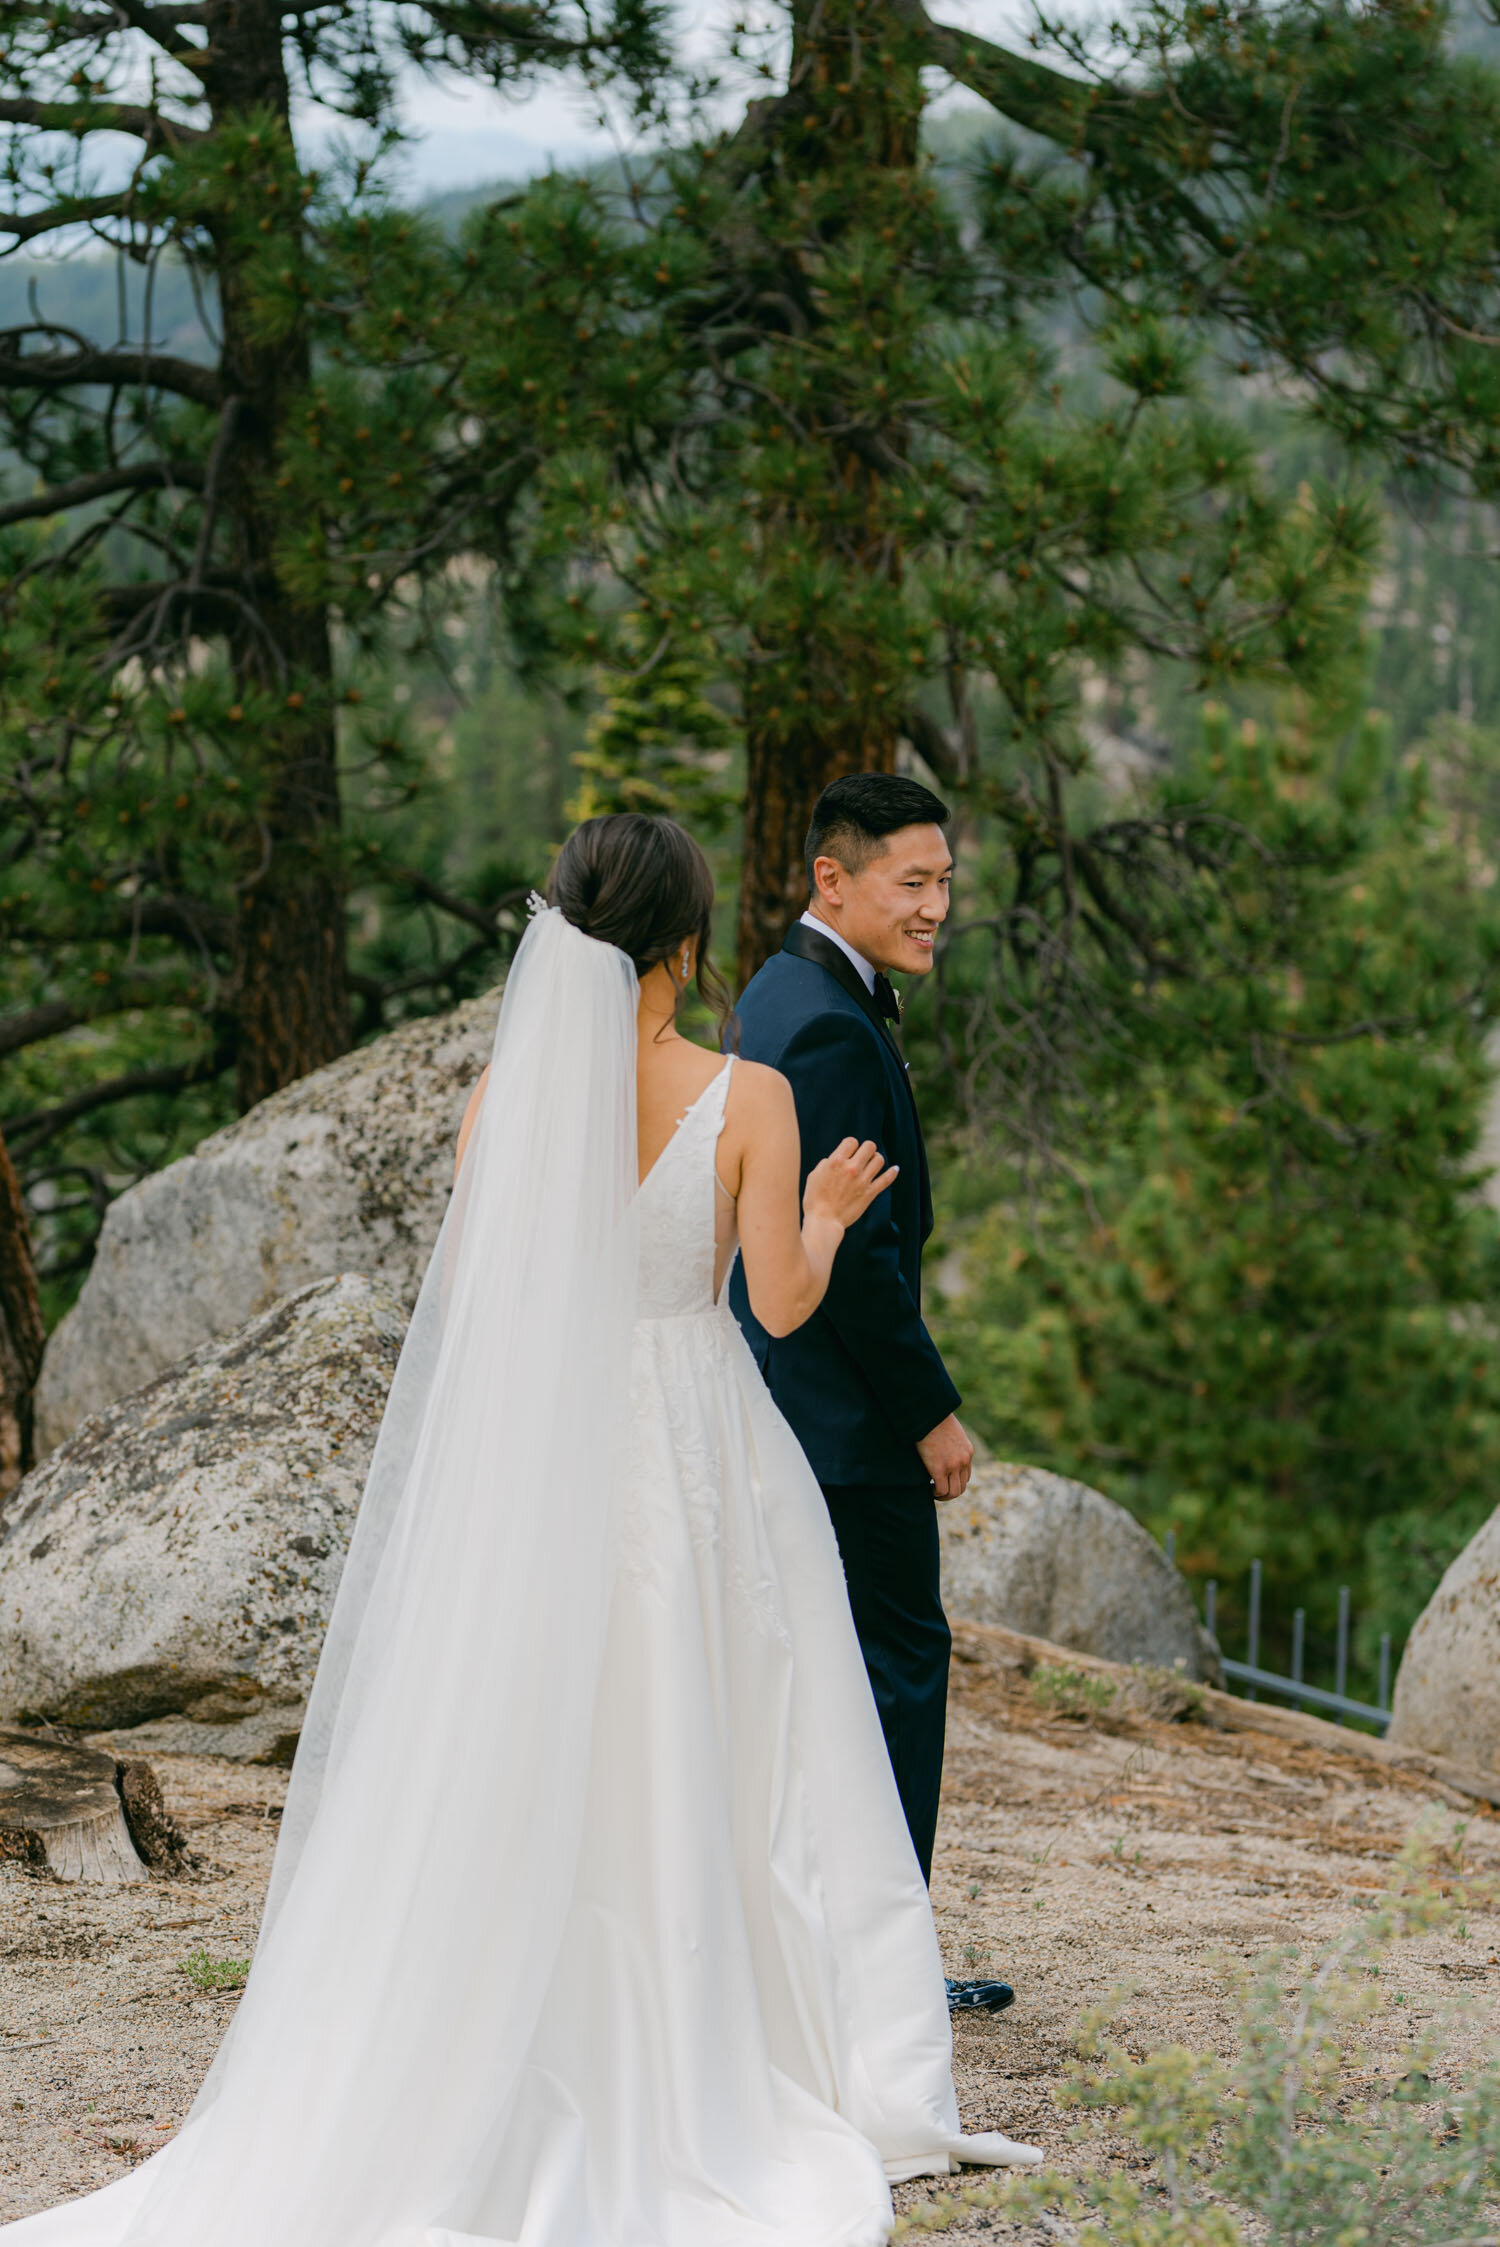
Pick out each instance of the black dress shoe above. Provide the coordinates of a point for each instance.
(980, 1997)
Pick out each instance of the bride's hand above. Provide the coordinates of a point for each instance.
(845, 1183)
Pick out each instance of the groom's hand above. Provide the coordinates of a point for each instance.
(948, 1455)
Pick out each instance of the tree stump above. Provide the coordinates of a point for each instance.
(60, 1810)
(157, 1836)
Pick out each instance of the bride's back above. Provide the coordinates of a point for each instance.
(685, 1213)
(671, 1073)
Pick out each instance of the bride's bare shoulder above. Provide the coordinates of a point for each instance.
(757, 1093)
(707, 1062)
(759, 1080)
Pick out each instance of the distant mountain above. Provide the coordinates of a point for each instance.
(1475, 32)
(105, 299)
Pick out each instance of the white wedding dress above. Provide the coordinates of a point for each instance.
(595, 1922)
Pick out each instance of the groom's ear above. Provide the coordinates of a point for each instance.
(829, 877)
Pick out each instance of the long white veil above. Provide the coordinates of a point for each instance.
(413, 1921)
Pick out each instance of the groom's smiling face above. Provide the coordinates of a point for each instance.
(890, 908)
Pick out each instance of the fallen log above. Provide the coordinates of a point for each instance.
(1227, 1712)
(60, 1811)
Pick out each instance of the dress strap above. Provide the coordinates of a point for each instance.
(718, 1095)
(717, 1105)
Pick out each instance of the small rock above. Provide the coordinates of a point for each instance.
(1036, 1553)
(173, 1565)
(348, 1170)
(1447, 1697)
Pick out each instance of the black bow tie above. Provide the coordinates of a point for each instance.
(886, 999)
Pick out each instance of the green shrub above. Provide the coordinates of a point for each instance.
(1267, 2147)
(207, 1973)
(1258, 1303)
(1069, 1691)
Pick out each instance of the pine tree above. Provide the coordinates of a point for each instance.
(658, 743)
(882, 457)
(1261, 1310)
(173, 862)
(21, 1331)
(167, 647)
(799, 402)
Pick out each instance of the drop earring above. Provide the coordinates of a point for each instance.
(686, 965)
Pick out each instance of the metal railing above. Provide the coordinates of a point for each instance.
(1254, 1679)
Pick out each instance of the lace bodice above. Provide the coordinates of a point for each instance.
(686, 1218)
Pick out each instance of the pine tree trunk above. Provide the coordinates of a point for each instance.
(857, 101)
(290, 999)
(785, 773)
(21, 1331)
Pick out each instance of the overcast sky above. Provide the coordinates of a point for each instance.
(468, 135)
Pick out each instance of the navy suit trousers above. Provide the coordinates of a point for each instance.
(888, 1539)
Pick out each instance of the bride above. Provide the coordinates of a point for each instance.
(594, 1921)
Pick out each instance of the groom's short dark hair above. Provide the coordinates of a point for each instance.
(854, 815)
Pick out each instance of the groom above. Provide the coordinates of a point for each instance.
(862, 1384)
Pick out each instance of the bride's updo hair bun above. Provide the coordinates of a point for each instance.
(641, 883)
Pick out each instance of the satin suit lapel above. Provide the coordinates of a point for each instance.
(806, 944)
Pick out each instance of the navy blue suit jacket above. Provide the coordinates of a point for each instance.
(862, 1380)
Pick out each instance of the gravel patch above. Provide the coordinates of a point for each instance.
(105, 2039)
(1078, 1858)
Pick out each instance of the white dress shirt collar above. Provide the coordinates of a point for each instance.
(866, 972)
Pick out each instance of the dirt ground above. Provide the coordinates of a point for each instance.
(1076, 1858)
